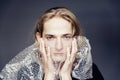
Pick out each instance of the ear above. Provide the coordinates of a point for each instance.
(37, 36)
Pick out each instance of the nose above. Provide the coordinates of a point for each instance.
(59, 45)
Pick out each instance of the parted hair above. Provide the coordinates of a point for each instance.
(61, 12)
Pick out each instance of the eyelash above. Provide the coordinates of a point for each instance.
(65, 37)
(49, 38)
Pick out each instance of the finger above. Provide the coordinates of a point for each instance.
(40, 49)
(48, 52)
(59, 67)
(66, 63)
(74, 50)
(43, 46)
(74, 45)
(68, 54)
(43, 50)
(40, 46)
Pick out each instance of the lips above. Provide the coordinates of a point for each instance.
(59, 53)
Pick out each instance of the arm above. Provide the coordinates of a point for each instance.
(65, 72)
(49, 69)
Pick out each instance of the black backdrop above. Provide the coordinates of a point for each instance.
(100, 21)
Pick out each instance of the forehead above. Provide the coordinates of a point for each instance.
(57, 26)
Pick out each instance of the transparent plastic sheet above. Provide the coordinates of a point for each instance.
(26, 65)
(83, 69)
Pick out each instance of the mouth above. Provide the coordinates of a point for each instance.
(59, 54)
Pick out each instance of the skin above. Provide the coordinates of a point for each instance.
(58, 48)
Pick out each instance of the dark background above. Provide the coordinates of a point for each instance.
(100, 21)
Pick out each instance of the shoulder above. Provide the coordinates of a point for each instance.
(24, 62)
(95, 73)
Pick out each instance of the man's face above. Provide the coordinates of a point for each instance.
(57, 34)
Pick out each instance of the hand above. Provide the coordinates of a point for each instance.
(49, 68)
(65, 72)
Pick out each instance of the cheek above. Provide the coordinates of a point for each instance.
(49, 43)
(67, 44)
(52, 44)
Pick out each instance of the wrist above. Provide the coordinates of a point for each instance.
(66, 77)
(49, 76)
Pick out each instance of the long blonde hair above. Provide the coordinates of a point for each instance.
(61, 12)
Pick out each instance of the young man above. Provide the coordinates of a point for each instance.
(59, 52)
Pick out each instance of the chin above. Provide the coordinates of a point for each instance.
(58, 59)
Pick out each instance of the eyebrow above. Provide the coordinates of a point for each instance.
(67, 34)
(49, 35)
